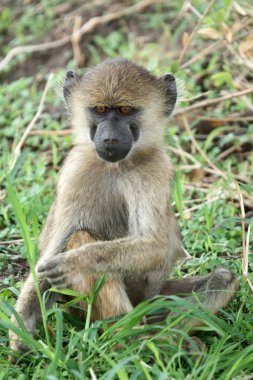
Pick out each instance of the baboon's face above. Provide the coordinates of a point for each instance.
(113, 131)
(121, 104)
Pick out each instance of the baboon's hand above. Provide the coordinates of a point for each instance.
(59, 270)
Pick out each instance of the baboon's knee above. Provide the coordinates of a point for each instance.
(214, 290)
(79, 238)
(112, 300)
(221, 288)
(222, 279)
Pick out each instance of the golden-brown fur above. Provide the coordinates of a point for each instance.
(116, 218)
(104, 305)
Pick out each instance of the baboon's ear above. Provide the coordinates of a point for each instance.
(169, 84)
(70, 81)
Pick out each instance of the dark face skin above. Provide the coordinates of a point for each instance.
(113, 131)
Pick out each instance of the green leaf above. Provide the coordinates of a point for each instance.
(21, 219)
(221, 78)
(212, 136)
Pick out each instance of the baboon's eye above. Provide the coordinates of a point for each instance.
(100, 109)
(125, 109)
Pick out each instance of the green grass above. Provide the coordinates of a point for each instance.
(64, 347)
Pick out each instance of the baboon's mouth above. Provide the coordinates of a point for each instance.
(112, 155)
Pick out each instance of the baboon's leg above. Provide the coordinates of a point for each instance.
(214, 290)
(112, 299)
(29, 310)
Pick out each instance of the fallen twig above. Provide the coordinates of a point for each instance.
(92, 374)
(245, 241)
(190, 186)
(220, 121)
(195, 97)
(197, 165)
(63, 132)
(202, 53)
(180, 152)
(32, 48)
(8, 242)
(194, 31)
(228, 151)
(209, 102)
(187, 211)
(203, 154)
(75, 39)
(88, 27)
(18, 148)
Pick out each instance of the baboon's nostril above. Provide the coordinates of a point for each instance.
(111, 141)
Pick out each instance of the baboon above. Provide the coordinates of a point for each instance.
(112, 212)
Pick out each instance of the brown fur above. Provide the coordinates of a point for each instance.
(113, 289)
(116, 218)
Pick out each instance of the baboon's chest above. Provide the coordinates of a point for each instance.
(105, 211)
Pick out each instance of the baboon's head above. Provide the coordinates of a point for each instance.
(119, 107)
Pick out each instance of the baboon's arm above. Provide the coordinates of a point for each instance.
(151, 244)
(117, 256)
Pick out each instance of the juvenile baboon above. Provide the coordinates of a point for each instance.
(112, 212)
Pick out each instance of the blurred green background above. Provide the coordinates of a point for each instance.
(208, 46)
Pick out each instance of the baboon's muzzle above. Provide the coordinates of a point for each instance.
(113, 141)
